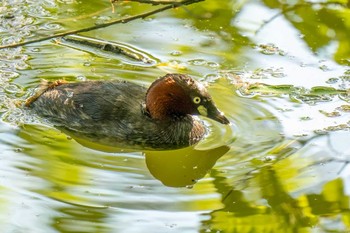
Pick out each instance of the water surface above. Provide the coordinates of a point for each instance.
(281, 166)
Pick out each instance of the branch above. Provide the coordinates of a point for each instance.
(125, 20)
(109, 47)
(293, 8)
(164, 2)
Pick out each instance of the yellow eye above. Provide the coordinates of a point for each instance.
(196, 100)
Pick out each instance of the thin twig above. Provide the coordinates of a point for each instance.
(293, 8)
(149, 2)
(113, 10)
(125, 20)
(284, 11)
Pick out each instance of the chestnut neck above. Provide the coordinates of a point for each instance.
(167, 99)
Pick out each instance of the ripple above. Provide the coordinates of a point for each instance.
(332, 80)
(101, 19)
(252, 124)
(21, 65)
(8, 75)
(176, 53)
(39, 11)
(202, 62)
(50, 26)
(345, 97)
(270, 49)
(10, 40)
(12, 89)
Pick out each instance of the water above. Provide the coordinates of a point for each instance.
(281, 166)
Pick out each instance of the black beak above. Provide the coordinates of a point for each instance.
(215, 114)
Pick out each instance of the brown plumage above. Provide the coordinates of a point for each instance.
(125, 114)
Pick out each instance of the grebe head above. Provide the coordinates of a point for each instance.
(176, 95)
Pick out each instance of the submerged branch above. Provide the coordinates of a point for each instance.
(115, 48)
(124, 20)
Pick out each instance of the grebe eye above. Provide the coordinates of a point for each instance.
(196, 100)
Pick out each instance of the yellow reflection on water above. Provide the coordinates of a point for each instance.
(184, 167)
(175, 168)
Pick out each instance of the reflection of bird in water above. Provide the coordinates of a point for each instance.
(124, 114)
(184, 167)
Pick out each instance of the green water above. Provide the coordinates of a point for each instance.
(281, 166)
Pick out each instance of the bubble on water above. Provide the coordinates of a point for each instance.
(332, 80)
(300, 135)
(40, 11)
(21, 65)
(210, 78)
(102, 19)
(9, 74)
(330, 114)
(337, 127)
(320, 132)
(18, 150)
(172, 225)
(213, 64)
(344, 108)
(269, 158)
(197, 62)
(50, 26)
(35, 50)
(176, 53)
(270, 49)
(10, 40)
(258, 75)
(81, 78)
(312, 99)
(12, 89)
(305, 118)
(268, 73)
(324, 68)
(345, 97)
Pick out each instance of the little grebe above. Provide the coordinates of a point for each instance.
(121, 113)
